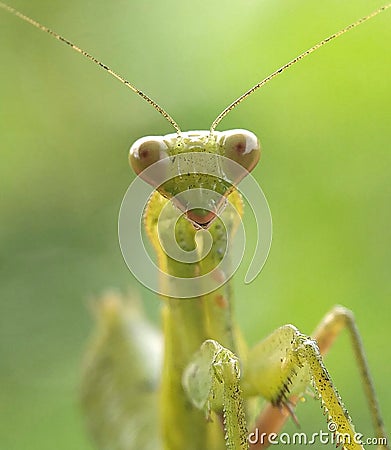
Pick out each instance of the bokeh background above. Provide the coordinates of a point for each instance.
(65, 129)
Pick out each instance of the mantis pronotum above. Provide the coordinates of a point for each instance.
(189, 417)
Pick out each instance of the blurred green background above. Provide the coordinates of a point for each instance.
(65, 129)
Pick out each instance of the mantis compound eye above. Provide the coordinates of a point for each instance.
(241, 146)
(146, 151)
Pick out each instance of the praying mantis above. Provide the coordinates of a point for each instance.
(201, 417)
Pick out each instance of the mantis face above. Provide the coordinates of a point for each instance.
(197, 170)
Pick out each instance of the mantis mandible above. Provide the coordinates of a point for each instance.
(207, 374)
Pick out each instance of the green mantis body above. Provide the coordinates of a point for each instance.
(203, 370)
(208, 373)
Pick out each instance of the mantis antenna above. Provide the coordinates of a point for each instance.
(94, 60)
(158, 108)
(236, 102)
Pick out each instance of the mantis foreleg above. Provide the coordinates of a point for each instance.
(283, 364)
(272, 418)
(212, 381)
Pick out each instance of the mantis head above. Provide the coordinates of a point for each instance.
(197, 170)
